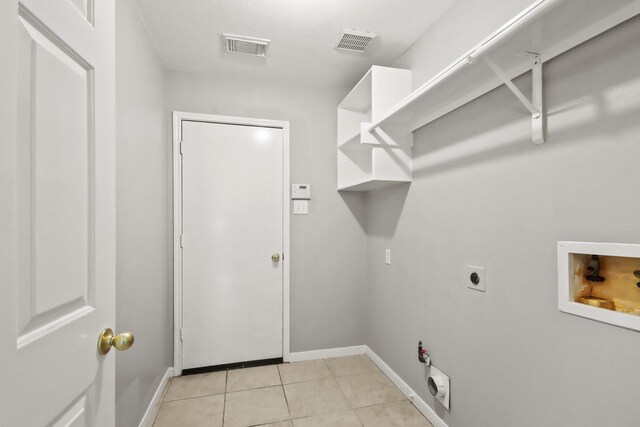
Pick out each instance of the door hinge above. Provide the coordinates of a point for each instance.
(181, 148)
(182, 240)
(181, 334)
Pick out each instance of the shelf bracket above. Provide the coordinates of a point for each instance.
(535, 105)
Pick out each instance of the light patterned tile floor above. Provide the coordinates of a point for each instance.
(342, 392)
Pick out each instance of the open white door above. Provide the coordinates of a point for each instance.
(57, 186)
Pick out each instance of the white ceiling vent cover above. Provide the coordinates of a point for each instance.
(246, 45)
(355, 41)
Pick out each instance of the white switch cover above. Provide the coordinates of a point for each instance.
(300, 207)
(475, 278)
(387, 256)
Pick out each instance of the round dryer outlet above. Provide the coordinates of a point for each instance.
(437, 386)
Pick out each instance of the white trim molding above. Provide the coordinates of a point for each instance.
(420, 404)
(152, 410)
(178, 118)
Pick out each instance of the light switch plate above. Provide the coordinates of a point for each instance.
(387, 256)
(475, 278)
(300, 207)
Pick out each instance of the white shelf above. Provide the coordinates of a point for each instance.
(547, 28)
(387, 138)
(367, 161)
(359, 99)
(376, 119)
(370, 184)
(364, 168)
(349, 140)
(350, 124)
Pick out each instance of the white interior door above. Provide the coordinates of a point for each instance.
(232, 219)
(57, 189)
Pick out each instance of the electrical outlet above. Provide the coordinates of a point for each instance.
(475, 278)
(387, 256)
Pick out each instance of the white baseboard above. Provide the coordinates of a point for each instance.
(330, 352)
(152, 409)
(420, 404)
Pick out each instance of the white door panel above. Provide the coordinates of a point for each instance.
(60, 220)
(232, 225)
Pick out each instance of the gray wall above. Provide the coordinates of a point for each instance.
(143, 252)
(484, 195)
(327, 246)
(459, 29)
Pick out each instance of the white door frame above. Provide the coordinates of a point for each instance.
(178, 118)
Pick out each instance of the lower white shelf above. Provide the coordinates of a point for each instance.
(350, 140)
(372, 184)
(365, 168)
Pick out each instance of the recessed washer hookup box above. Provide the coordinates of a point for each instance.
(600, 281)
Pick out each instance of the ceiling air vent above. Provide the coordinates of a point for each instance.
(246, 45)
(355, 41)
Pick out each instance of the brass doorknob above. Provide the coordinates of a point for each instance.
(106, 340)
(275, 257)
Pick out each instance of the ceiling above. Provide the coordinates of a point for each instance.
(303, 34)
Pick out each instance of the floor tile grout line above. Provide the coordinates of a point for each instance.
(327, 412)
(224, 399)
(322, 413)
(328, 367)
(193, 397)
(335, 377)
(166, 392)
(395, 402)
(286, 400)
(259, 387)
(308, 380)
(351, 406)
(358, 417)
(256, 388)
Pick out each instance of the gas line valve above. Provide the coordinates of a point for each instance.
(423, 356)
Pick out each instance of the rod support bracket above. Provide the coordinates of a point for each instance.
(535, 104)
